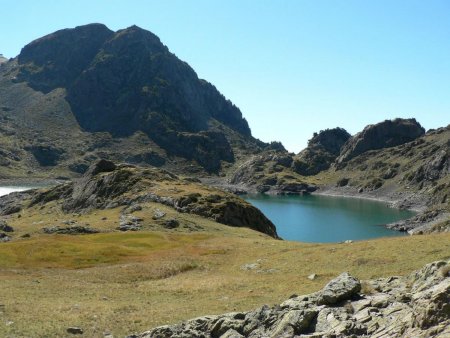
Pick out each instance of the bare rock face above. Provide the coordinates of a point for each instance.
(45, 155)
(389, 133)
(414, 306)
(57, 59)
(128, 81)
(341, 288)
(323, 149)
(436, 167)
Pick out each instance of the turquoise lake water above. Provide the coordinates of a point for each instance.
(315, 218)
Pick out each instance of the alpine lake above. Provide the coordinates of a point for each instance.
(325, 219)
(317, 218)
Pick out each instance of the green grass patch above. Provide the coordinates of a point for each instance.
(75, 252)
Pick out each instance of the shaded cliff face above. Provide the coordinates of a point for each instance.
(386, 134)
(57, 59)
(134, 82)
(126, 82)
(323, 149)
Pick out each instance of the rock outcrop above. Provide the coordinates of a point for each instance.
(264, 173)
(46, 156)
(386, 134)
(106, 185)
(322, 150)
(430, 221)
(414, 306)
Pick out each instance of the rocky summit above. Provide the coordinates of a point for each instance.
(323, 149)
(386, 134)
(417, 305)
(120, 95)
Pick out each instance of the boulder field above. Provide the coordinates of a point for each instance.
(417, 305)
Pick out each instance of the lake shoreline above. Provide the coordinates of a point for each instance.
(397, 203)
(423, 222)
(353, 193)
(313, 218)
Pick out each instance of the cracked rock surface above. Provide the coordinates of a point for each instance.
(417, 305)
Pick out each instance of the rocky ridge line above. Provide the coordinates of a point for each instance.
(386, 134)
(106, 185)
(123, 83)
(417, 305)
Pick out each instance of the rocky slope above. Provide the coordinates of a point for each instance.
(386, 134)
(417, 305)
(330, 149)
(413, 175)
(391, 161)
(135, 193)
(268, 172)
(322, 150)
(80, 94)
(327, 151)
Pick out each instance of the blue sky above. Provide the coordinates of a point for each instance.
(293, 67)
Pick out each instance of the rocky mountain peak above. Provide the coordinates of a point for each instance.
(386, 134)
(128, 81)
(323, 149)
(135, 40)
(330, 140)
(57, 59)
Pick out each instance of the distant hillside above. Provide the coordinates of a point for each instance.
(88, 93)
(393, 161)
(85, 93)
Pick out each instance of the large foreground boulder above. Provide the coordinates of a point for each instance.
(414, 306)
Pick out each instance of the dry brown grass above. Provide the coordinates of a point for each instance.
(124, 283)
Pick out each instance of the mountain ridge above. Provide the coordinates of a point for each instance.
(120, 83)
(125, 97)
(413, 174)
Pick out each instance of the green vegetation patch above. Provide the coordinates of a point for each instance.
(70, 252)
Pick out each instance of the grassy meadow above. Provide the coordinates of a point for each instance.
(121, 283)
